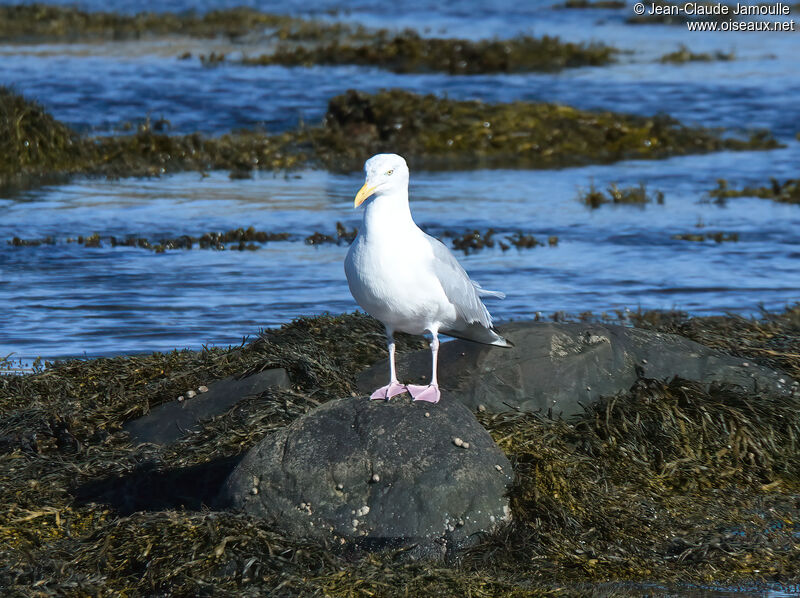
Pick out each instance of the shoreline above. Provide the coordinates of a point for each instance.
(615, 495)
(668, 320)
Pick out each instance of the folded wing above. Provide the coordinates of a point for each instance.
(465, 294)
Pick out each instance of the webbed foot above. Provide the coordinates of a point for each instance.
(429, 393)
(387, 392)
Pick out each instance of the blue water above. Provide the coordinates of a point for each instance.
(68, 300)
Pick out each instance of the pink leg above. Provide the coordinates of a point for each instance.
(394, 388)
(429, 393)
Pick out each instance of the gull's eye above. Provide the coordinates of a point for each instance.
(389, 172)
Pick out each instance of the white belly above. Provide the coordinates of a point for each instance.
(395, 283)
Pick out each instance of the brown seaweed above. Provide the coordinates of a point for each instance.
(637, 195)
(409, 52)
(672, 482)
(432, 132)
(782, 192)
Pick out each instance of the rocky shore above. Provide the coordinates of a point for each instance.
(431, 132)
(660, 453)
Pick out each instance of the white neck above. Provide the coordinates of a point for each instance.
(387, 212)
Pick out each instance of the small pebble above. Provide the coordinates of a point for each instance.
(180, 399)
(782, 381)
(481, 408)
(745, 364)
(498, 468)
(465, 445)
(203, 388)
(355, 522)
(339, 487)
(253, 490)
(427, 414)
(190, 394)
(588, 388)
(644, 361)
(375, 478)
(458, 442)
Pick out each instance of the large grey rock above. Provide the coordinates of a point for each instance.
(377, 474)
(560, 366)
(168, 422)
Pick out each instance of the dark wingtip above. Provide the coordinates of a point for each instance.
(508, 344)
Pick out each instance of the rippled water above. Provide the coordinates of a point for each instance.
(67, 300)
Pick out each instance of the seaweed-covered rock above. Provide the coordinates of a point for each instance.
(782, 192)
(168, 422)
(432, 132)
(435, 133)
(31, 139)
(409, 52)
(41, 22)
(560, 367)
(380, 474)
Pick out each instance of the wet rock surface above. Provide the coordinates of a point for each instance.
(168, 422)
(378, 474)
(560, 367)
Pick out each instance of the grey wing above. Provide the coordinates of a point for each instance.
(462, 292)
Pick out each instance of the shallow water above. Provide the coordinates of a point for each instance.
(67, 300)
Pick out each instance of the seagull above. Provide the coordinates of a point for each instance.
(408, 280)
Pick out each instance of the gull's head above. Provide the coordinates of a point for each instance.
(385, 174)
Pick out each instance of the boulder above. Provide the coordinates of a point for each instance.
(168, 422)
(376, 474)
(558, 367)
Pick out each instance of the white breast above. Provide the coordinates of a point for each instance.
(392, 278)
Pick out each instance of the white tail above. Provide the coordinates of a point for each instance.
(486, 292)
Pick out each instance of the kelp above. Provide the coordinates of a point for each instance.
(240, 239)
(718, 237)
(409, 52)
(638, 195)
(772, 338)
(36, 147)
(306, 42)
(250, 239)
(669, 483)
(431, 132)
(474, 240)
(32, 141)
(435, 133)
(44, 22)
(684, 54)
(629, 490)
(787, 191)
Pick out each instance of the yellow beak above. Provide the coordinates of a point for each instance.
(362, 195)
